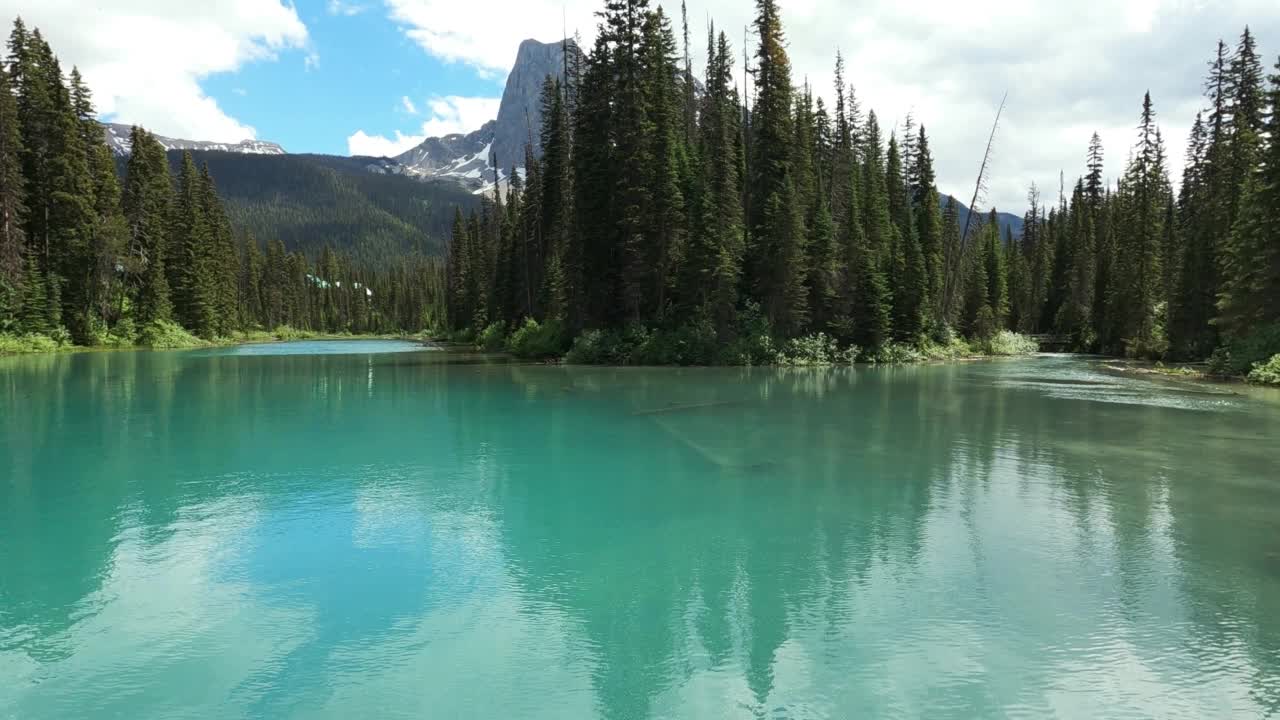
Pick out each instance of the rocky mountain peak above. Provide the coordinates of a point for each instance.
(469, 158)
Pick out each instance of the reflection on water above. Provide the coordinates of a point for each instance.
(396, 535)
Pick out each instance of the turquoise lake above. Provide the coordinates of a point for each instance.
(374, 530)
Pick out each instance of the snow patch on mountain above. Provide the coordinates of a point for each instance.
(118, 139)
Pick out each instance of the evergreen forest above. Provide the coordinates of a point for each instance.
(664, 216)
(98, 255)
(671, 219)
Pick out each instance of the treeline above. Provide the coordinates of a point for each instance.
(692, 213)
(89, 259)
(1141, 270)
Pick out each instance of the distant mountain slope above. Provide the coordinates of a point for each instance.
(309, 201)
(1007, 220)
(117, 137)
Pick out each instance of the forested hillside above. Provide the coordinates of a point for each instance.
(313, 201)
(663, 225)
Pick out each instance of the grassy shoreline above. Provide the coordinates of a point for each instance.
(1263, 374)
(814, 351)
(175, 338)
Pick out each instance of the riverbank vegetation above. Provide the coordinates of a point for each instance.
(667, 220)
(662, 219)
(88, 258)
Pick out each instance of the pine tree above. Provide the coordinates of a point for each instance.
(108, 243)
(70, 215)
(1136, 285)
(220, 256)
(713, 264)
(1250, 295)
(1075, 316)
(1093, 184)
(929, 227)
(192, 270)
(1194, 302)
(666, 222)
(12, 207)
(594, 172)
(1245, 92)
(250, 284)
(771, 196)
(33, 313)
(907, 259)
(147, 201)
(33, 82)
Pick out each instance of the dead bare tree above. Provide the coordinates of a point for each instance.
(951, 281)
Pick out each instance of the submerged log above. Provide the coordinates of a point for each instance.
(682, 407)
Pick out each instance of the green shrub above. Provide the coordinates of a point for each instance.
(954, 348)
(591, 347)
(60, 336)
(816, 349)
(493, 338)
(123, 335)
(286, 333)
(896, 354)
(693, 343)
(599, 347)
(30, 343)
(1239, 357)
(750, 350)
(166, 335)
(537, 341)
(1266, 373)
(254, 336)
(1008, 343)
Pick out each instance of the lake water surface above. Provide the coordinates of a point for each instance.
(320, 531)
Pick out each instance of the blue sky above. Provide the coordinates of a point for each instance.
(364, 66)
(342, 76)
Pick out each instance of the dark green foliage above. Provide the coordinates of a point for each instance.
(537, 341)
(680, 236)
(12, 208)
(313, 201)
(653, 223)
(1136, 291)
(86, 257)
(1250, 261)
(774, 212)
(1074, 317)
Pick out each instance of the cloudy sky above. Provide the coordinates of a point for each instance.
(376, 76)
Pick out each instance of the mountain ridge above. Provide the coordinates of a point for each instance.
(117, 136)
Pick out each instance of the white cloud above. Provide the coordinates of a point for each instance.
(449, 115)
(485, 33)
(143, 59)
(1069, 68)
(340, 7)
(454, 114)
(362, 143)
(409, 107)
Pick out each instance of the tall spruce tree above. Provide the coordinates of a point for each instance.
(12, 207)
(772, 202)
(1250, 295)
(1136, 292)
(147, 201)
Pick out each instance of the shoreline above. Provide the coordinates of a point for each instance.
(265, 338)
(1188, 373)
